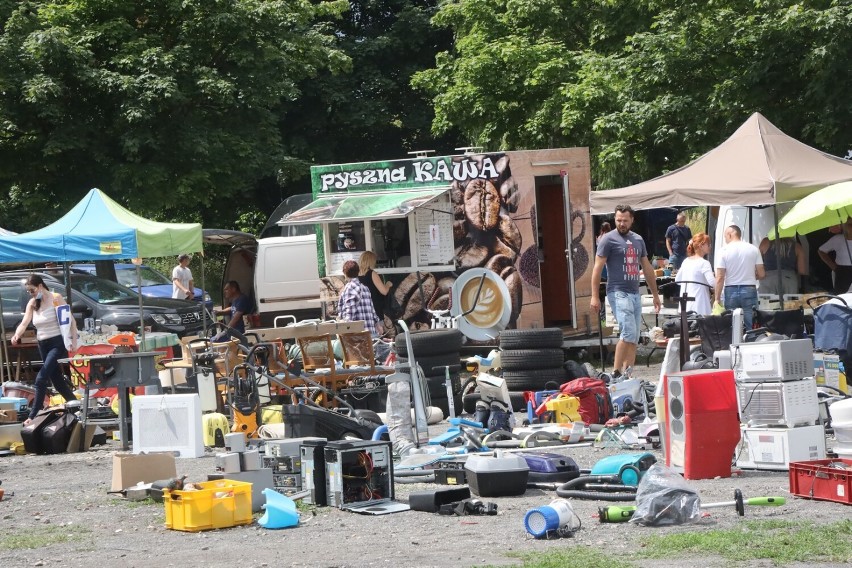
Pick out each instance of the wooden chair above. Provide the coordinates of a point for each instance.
(228, 356)
(358, 353)
(317, 353)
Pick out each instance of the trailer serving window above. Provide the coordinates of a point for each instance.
(407, 230)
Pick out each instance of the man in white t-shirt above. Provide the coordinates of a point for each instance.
(182, 284)
(738, 269)
(841, 265)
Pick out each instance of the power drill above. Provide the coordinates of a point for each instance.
(616, 514)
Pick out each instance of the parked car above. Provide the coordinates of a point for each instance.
(154, 284)
(104, 300)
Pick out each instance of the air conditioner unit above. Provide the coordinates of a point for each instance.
(761, 361)
(790, 404)
(168, 423)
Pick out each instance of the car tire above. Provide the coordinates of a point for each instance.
(547, 338)
(535, 379)
(430, 342)
(522, 359)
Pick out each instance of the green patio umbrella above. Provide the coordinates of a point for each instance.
(831, 205)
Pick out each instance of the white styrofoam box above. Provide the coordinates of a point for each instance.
(168, 423)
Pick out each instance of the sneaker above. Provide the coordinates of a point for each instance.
(627, 372)
(616, 376)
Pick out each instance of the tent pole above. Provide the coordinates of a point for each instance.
(138, 262)
(845, 240)
(778, 257)
(4, 352)
(203, 288)
(67, 273)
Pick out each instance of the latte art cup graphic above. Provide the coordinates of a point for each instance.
(489, 308)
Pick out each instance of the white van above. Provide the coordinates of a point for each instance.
(279, 273)
(755, 222)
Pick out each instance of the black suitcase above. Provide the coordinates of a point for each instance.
(56, 435)
(31, 434)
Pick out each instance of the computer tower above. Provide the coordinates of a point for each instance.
(360, 476)
(313, 472)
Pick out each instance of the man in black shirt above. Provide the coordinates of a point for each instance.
(677, 238)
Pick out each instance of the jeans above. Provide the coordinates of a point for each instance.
(744, 297)
(51, 349)
(676, 260)
(627, 309)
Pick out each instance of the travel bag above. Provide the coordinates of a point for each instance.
(595, 402)
(31, 433)
(56, 435)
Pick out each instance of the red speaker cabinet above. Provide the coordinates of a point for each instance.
(702, 423)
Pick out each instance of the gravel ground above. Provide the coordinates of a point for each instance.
(61, 501)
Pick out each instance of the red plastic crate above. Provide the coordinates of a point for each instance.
(827, 480)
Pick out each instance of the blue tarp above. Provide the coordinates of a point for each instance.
(98, 228)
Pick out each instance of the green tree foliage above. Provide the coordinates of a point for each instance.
(647, 84)
(372, 112)
(171, 106)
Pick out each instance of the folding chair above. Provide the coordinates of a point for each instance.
(786, 322)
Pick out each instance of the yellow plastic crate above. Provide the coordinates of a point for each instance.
(215, 505)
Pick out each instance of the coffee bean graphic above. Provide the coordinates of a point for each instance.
(482, 204)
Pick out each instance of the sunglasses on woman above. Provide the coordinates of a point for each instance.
(31, 290)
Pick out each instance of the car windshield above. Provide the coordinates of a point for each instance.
(102, 291)
(150, 277)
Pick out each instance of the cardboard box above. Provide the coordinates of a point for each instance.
(129, 469)
(74, 441)
(7, 416)
(819, 368)
(833, 376)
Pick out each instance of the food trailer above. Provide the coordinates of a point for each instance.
(438, 224)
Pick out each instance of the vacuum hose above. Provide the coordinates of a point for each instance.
(414, 476)
(607, 488)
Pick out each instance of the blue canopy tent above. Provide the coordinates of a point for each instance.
(98, 228)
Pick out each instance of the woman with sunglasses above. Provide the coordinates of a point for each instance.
(41, 311)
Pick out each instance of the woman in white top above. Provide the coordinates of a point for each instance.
(41, 311)
(696, 269)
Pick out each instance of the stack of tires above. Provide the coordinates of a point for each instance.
(433, 350)
(532, 359)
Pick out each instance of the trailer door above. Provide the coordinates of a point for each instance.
(555, 283)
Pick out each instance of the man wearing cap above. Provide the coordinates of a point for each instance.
(182, 284)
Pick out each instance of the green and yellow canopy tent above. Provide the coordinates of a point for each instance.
(98, 228)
